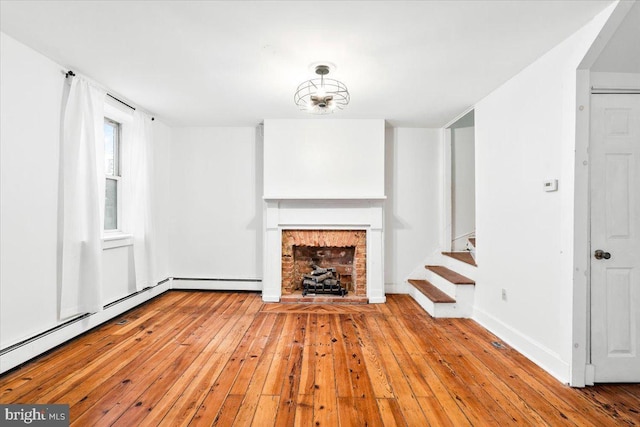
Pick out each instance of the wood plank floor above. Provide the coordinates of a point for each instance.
(210, 358)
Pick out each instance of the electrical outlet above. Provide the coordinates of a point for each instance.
(504, 295)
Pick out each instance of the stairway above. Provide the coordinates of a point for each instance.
(446, 287)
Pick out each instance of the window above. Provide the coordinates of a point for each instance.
(112, 135)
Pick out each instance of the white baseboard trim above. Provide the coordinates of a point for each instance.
(542, 356)
(270, 298)
(33, 348)
(378, 300)
(216, 284)
(396, 288)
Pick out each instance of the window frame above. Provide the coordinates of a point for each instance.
(116, 176)
(119, 113)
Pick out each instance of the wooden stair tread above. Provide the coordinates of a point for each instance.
(462, 256)
(450, 275)
(430, 291)
(472, 240)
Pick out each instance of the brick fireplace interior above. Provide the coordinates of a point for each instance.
(345, 250)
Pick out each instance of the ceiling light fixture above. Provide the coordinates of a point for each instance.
(322, 95)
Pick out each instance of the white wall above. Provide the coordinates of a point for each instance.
(413, 181)
(463, 185)
(31, 94)
(216, 202)
(216, 205)
(31, 91)
(323, 159)
(162, 171)
(621, 53)
(525, 134)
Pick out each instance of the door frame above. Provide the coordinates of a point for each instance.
(581, 330)
(589, 371)
(447, 179)
(581, 370)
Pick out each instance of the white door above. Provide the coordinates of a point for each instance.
(615, 237)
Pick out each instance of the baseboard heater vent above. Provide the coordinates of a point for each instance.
(74, 320)
(118, 301)
(45, 333)
(216, 284)
(498, 345)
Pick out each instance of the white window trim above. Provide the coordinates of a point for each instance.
(112, 240)
(117, 178)
(117, 112)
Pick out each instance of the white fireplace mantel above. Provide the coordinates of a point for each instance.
(335, 214)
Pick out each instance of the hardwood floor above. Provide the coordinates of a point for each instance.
(208, 358)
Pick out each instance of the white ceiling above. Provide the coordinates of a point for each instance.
(235, 63)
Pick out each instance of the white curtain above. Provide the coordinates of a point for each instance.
(138, 173)
(83, 187)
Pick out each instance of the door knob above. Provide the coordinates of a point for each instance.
(600, 254)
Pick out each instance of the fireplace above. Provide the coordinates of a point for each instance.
(327, 230)
(342, 250)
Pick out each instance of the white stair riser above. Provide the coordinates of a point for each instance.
(457, 292)
(463, 294)
(451, 311)
(437, 310)
(462, 308)
(422, 300)
(460, 267)
(441, 283)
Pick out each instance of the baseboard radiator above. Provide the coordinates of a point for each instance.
(23, 351)
(216, 284)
